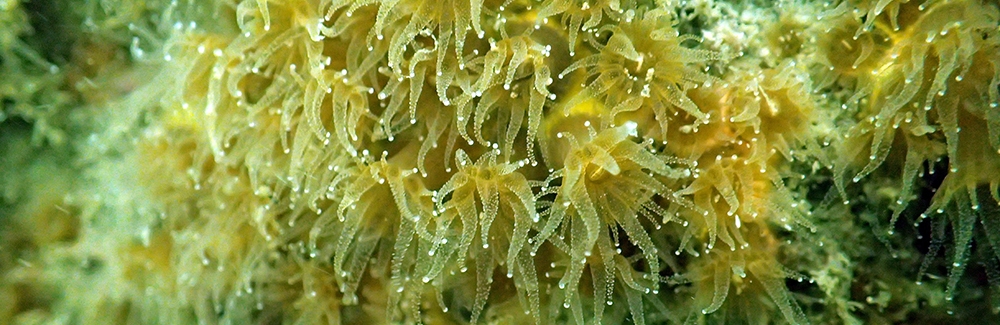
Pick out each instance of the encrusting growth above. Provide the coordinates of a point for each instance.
(517, 161)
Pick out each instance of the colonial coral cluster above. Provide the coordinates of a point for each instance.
(518, 161)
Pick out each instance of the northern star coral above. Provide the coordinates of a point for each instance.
(482, 161)
(607, 183)
(743, 276)
(643, 66)
(480, 193)
(928, 83)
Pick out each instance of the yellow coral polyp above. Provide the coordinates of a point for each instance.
(604, 184)
(937, 48)
(643, 66)
(742, 276)
(919, 97)
(480, 194)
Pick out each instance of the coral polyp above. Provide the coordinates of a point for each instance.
(934, 76)
(607, 183)
(482, 194)
(643, 66)
(499, 162)
(742, 278)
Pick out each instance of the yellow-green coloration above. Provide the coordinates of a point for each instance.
(929, 70)
(499, 161)
(643, 67)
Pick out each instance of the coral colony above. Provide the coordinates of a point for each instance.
(499, 162)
